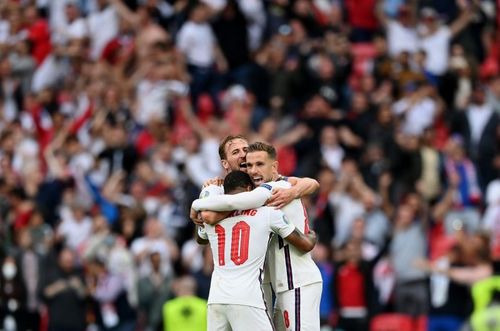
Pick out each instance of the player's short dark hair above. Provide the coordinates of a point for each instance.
(237, 179)
(263, 147)
(225, 141)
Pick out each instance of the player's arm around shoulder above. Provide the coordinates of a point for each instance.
(228, 202)
(300, 187)
(214, 217)
(303, 242)
(290, 233)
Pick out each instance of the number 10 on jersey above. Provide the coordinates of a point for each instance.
(239, 243)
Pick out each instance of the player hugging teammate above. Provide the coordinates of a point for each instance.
(242, 234)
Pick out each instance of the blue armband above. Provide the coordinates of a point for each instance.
(269, 187)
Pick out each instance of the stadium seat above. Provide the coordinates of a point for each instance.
(421, 323)
(392, 322)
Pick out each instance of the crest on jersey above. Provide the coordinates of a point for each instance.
(204, 194)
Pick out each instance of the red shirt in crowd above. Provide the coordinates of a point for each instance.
(361, 14)
(351, 287)
(39, 36)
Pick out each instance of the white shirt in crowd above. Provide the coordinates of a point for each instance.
(57, 17)
(75, 233)
(256, 17)
(401, 38)
(103, 27)
(333, 156)
(204, 164)
(417, 116)
(347, 210)
(437, 47)
(192, 256)
(478, 117)
(4, 31)
(153, 97)
(151, 100)
(491, 217)
(77, 29)
(197, 43)
(152, 245)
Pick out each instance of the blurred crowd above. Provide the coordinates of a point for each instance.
(111, 113)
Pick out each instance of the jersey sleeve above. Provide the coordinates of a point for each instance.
(240, 201)
(279, 223)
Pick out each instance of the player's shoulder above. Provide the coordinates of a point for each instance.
(280, 182)
(211, 190)
(270, 212)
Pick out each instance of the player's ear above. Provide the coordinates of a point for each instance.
(275, 165)
(225, 164)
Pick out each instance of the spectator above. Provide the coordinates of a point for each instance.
(154, 240)
(232, 32)
(477, 126)
(332, 152)
(362, 19)
(323, 209)
(432, 163)
(494, 93)
(109, 292)
(103, 26)
(407, 247)
(450, 301)
(154, 291)
(491, 218)
(401, 32)
(13, 291)
(197, 42)
(41, 234)
(435, 38)
(119, 154)
(75, 227)
(29, 267)
(64, 292)
(462, 177)
(416, 109)
(186, 311)
(74, 27)
(347, 203)
(353, 288)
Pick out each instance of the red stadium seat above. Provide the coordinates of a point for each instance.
(421, 323)
(392, 322)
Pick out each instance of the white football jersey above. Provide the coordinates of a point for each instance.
(289, 267)
(286, 266)
(239, 245)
